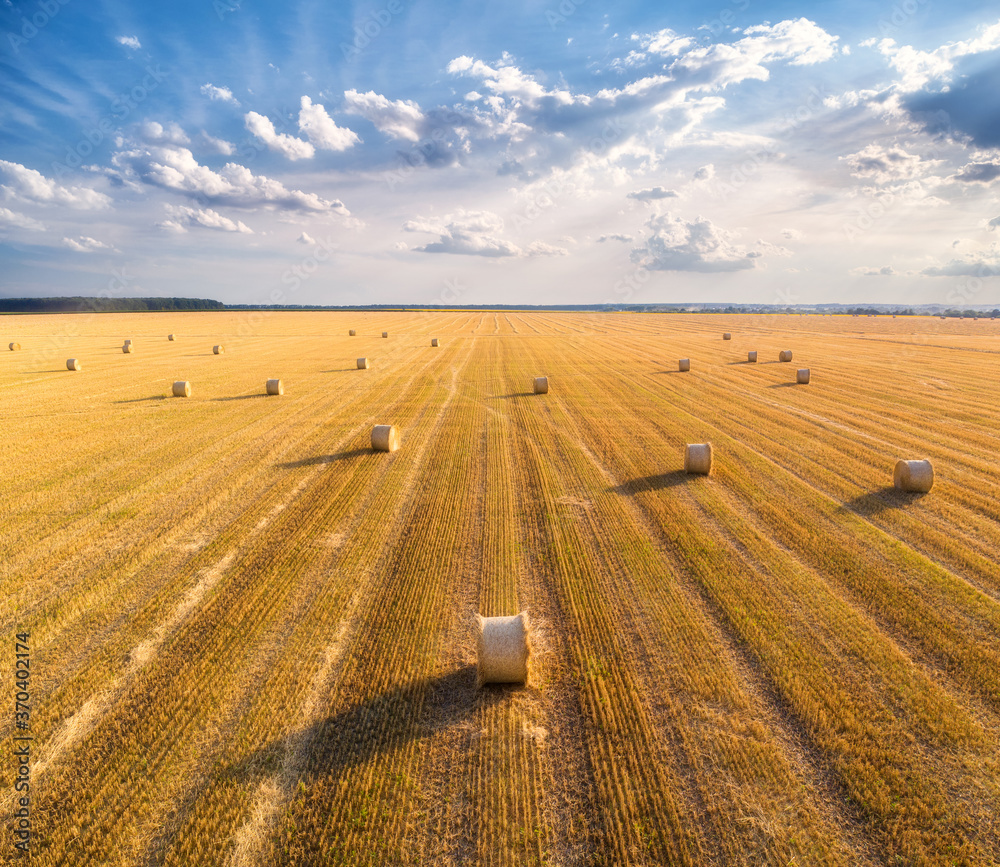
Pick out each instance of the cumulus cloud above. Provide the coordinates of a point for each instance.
(28, 185)
(676, 244)
(183, 218)
(918, 68)
(175, 168)
(19, 221)
(217, 145)
(156, 133)
(978, 173)
(219, 94)
(885, 164)
(705, 173)
(993, 224)
(129, 42)
(791, 234)
(321, 130)
(651, 194)
(981, 264)
(398, 119)
(83, 244)
(474, 233)
(884, 271)
(614, 236)
(306, 238)
(286, 145)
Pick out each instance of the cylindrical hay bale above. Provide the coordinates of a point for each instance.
(752, 355)
(434, 342)
(503, 647)
(274, 386)
(128, 341)
(218, 349)
(541, 385)
(915, 476)
(385, 438)
(170, 337)
(684, 364)
(14, 347)
(362, 364)
(802, 376)
(385, 333)
(698, 458)
(127, 348)
(352, 333)
(182, 389)
(785, 355)
(727, 336)
(73, 364)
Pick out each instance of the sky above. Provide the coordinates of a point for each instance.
(551, 152)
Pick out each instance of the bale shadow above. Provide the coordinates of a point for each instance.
(342, 369)
(874, 503)
(731, 363)
(241, 397)
(315, 460)
(512, 394)
(651, 483)
(783, 384)
(143, 399)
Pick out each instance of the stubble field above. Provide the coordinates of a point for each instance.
(251, 636)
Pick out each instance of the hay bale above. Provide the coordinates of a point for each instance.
(917, 476)
(128, 341)
(802, 376)
(352, 333)
(698, 458)
(727, 336)
(362, 364)
(73, 364)
(182, 389)
(752, 356)
(170, 337)
(385, 333)
(434, 342)
(274, 386)
(684, 364)
(385, 438)
(541, 385)
(785, 355)
(14, 347)
(218, 349)
(127, 348)
(503, 647)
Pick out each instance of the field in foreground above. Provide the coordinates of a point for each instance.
(251, 636)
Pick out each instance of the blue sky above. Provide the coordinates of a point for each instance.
(549, 152)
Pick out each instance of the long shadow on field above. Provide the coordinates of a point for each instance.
(143, 399)
(512, 394)
(365, 731)
(874, 503)
(652, 483)
(241, 397)
(783, 384)
(324, 459)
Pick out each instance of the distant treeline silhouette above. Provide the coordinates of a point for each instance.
(79, 304)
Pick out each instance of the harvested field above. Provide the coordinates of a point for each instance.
(253, 638)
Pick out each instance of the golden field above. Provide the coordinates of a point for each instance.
(251, 635)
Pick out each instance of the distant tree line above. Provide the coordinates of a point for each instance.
(78, 304)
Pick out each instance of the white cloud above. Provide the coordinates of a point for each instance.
(705, 173)
(83, 244)
(28, 185)
(918, 68)
(217, 145)
(978, 173)
(19, 221)
(175, 168)
(791, 234)
(321, 130)
(156, 133)
(219, 94)
(540, 248)
(884, 164)
(306, 238)
(286, 145)
(474, 233)
(129, 42)
(651, 194)
(884, 271)
(399, 119)
(183, 217)
(614, 236)
(676, 244)
(982, 264)
(510, 82)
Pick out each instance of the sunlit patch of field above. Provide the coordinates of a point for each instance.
(251, 635)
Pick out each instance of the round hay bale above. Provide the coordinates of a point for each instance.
(127, 348)
(698, 458)
(182, 389)
(727, 336)
(218, 349)
(14, 347)
(503, 646)
(917, 476)
(541, 385)
(785, 355)
(752, 356)
(434, 342)
(362, 364)
(352, 333)
(802, 376)
(128, 341)
(385, 438)
(385, 333)
(170, 337)
(274, 386)
(73, 364)
(684, 364)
